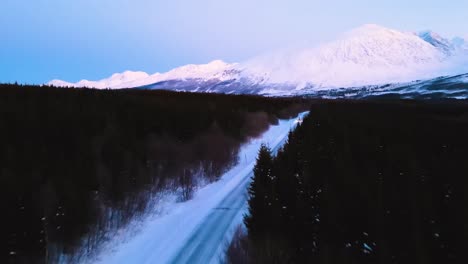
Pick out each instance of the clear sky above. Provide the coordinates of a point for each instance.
(76, 39)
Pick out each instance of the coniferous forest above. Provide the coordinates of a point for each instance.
(371, 181)
(363, 182)
(78, 163)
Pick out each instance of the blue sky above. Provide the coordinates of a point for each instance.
(72, 40)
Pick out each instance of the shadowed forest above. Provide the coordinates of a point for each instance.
(363, 182)
(76, 164)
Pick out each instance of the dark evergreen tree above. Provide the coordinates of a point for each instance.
(260, 194)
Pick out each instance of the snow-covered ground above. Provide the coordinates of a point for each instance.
(197, 231)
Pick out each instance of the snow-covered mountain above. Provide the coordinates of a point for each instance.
(217, 69)
(114, 81)
(370, 55)
(367, 55)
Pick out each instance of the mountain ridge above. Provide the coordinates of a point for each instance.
(368, 55)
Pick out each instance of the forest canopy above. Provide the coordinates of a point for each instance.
(363, 182)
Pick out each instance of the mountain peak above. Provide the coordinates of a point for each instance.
(128, 75)
(370, 27)
(373, 30)
(370, 54)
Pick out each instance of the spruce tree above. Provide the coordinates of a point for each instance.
(259, 196)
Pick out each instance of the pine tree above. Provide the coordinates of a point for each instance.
(260, 196)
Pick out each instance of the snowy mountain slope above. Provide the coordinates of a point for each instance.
(441, 87)
(368, 55)
(455, 87)
(437, 41)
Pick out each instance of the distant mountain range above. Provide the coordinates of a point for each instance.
(367, 61)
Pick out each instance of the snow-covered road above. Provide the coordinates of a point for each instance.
(206, 243)
(198, 230)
